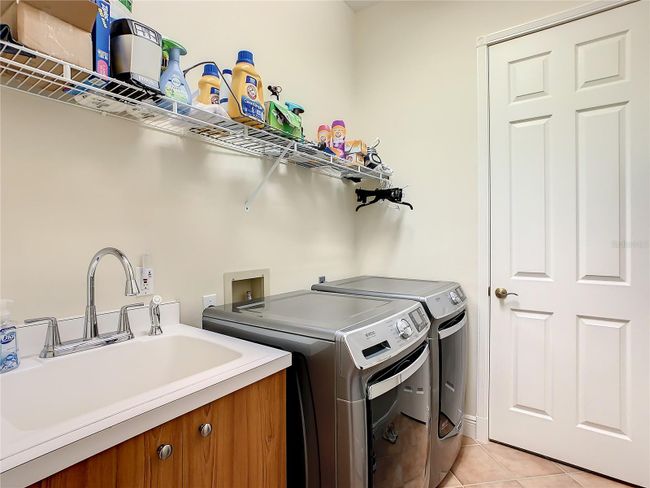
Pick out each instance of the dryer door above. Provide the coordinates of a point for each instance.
(399, 414)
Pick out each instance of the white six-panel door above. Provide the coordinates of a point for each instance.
(570, 234)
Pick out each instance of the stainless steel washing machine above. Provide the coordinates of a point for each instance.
(358, 399)
(445, 304)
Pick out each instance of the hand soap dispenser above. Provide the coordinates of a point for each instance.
(8, 343)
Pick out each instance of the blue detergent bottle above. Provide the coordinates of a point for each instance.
(172, 80)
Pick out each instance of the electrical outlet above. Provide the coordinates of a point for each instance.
(209, 301)
(145, 280)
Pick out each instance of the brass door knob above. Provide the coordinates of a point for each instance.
(503, 293)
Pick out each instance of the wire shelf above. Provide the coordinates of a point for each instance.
(32, 72)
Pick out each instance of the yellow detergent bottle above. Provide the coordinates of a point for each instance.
(209, 85)
(247, 104)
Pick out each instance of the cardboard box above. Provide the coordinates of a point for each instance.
(281, 118)
(60, 28)
(356, 146)
(102, 38)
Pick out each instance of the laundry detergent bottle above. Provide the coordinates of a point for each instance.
(172, 80)
(209, 85)
(226, 86)
(247, 104)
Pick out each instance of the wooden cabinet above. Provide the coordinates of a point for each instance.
(246, 448)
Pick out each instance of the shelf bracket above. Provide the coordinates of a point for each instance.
(251, 198)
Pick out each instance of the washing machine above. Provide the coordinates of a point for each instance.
(358, 399)
(445, 305)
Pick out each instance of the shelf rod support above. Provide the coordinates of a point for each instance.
(251, 198)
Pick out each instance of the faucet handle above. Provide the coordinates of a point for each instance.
(123, 324)
(154, 315)
(52, 337)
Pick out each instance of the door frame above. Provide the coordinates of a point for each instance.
(483, 44)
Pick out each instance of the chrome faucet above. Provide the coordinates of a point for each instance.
(91, 339)
(90, 320)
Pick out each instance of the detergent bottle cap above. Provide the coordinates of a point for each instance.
(245, 57)
(226, 71)
(210, 70)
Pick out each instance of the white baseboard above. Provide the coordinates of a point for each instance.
(482, 434)
(469, 426)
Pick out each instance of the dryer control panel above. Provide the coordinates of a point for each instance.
(378, 342)
(447, 302)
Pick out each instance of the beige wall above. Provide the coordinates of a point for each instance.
(73, 181)
(416, 88)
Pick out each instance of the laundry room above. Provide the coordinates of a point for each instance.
(349, 244)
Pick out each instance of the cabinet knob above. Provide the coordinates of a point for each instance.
(205, 430)
(165, 451)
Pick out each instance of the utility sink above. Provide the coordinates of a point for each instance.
(56, 411)
(64, 388)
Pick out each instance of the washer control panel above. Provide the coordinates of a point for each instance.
(404, 328)
(375, 343)
(419, 318)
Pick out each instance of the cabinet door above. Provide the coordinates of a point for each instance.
(246, 448)
(131, 465)
(95, 472)
(164, 473)
(251, 451)
(200, 453)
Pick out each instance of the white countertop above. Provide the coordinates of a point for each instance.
(27, 456)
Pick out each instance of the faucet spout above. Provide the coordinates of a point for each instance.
(90, 319)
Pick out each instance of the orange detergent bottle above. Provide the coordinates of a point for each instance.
(247, 104)
(209, 85)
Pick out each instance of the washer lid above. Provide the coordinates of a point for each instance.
(407, 288)
(438, 297)
(310, 313)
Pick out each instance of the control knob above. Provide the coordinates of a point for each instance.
(404, 328)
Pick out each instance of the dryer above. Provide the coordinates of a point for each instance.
(358, 399)
(445, 305)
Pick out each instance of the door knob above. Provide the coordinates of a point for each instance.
(502, 293)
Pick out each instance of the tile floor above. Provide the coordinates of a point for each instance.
(496, 466)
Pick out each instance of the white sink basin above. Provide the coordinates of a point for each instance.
(64, 388)
(55, 412)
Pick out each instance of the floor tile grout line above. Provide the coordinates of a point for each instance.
(523, 478)
(495, 459)
(505, 480)
(561, 467)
